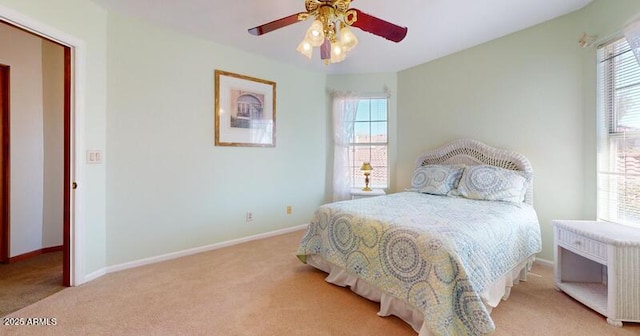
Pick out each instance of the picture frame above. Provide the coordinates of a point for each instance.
(245, 110)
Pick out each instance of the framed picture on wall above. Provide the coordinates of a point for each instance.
(245, 111)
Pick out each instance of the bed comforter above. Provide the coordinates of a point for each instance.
(438, 253)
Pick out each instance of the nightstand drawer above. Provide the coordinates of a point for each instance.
(583, 245)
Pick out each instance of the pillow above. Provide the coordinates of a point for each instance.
(493, 184)
(436, 179)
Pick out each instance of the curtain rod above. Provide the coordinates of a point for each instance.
(385, 93)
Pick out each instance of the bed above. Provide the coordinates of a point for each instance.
(442, 254)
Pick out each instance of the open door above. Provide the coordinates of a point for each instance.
(4, 163)
(66, 231)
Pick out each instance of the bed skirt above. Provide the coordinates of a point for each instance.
(390, 305)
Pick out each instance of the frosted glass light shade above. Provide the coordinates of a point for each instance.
(305, 48)
(315, 34)
(338, 53)
(347, 38)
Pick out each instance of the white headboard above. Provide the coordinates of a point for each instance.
(473, 152)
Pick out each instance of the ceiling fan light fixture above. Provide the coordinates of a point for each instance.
(305, 48)
(315, 34)
(330, 30)
(333, 44)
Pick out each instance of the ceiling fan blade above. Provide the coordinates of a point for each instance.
(379, 27)
(276, 24)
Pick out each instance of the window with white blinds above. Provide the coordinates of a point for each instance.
(618, 134)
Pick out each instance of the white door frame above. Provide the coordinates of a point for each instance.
(76, 132)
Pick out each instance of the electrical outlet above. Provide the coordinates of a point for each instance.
(249, 216)
(289, 209)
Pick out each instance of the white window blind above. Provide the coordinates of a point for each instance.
(618, 134)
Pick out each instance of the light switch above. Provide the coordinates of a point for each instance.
(94, 156)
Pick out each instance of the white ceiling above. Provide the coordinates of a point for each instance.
(436, 27)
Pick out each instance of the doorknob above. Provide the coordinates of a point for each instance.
(74, 185)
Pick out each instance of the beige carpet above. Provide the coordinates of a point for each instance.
(260, 288)
(28, 281)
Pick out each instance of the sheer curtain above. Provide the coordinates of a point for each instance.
(345, 105)
(632, 34)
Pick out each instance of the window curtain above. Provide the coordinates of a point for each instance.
(632, 34)
(345, 105)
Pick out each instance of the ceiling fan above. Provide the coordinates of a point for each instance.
(330, 29)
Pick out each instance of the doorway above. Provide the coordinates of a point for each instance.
(64, 206)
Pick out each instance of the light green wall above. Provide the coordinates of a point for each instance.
(532, 92)
(86, 21)
(366, 84)
(169, 188)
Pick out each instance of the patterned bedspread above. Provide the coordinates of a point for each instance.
(437, 253)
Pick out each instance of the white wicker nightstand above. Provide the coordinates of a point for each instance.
(359, 193)
(598, 264)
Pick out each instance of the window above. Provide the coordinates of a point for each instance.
(369, 143)
(618, 134)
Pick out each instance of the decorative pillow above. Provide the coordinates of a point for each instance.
(436, 179)
(493, 184)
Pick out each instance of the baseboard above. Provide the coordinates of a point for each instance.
(34, 253)
(174, 255)
(93, 275)
(544, 262)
